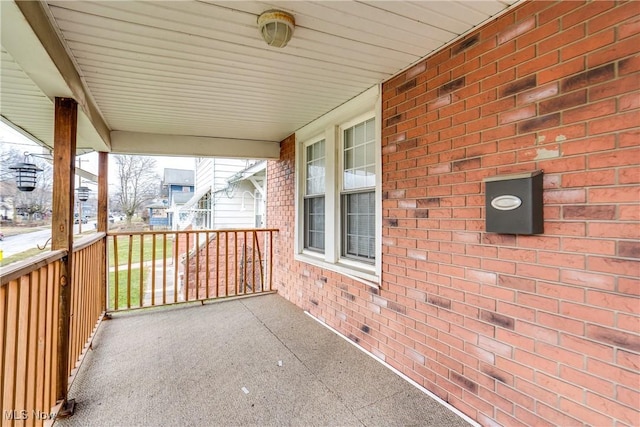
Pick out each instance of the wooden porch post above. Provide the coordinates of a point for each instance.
(64, 153)
(103, 218)
(103, 189)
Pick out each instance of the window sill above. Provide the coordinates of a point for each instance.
(362, 274)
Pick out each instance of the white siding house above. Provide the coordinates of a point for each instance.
(229, 193)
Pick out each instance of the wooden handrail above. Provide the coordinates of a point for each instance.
(22, 268)
(222, 230)
(88, 241)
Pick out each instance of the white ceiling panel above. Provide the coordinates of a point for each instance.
(201, 69)
(22, 98)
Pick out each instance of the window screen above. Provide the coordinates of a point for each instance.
(314, 196)
(358, 195)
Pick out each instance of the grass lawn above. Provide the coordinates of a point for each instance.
(21, 256)
(122, 288)
(124, 243)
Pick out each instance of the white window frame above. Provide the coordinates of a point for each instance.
(304, 177)
(341, 187)
(329, 127)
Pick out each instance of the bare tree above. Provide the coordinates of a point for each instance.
(138, 183)
(36, 203)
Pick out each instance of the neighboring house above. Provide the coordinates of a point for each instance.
(230, 193)
(7, 200)
(158, 214)
(177, 188)
(177, 181)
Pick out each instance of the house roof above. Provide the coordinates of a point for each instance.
(250, 171)
(178, 177)
(195, 78)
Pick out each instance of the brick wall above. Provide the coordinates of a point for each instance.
(511, 330)
(226, 263)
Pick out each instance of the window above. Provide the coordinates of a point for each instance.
(338, 208)
(314, 216)
(358, 191)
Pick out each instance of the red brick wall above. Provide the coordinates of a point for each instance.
(511, 330)
(237, 264)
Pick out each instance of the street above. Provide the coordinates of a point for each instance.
(12, 245)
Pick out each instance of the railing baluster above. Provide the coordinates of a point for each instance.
(76, 313)
(21, 344)
(217, 263)
(164, 268)
(129, 271)
(153, 269)
(226, 263)
(41, 335)
(245, 264)
(235, 253)
(50, 344)
(10, 339)
(176, 245)
(116, 276)
(141, 283)
(186, 268)
(270, 259)
(197, 255)
(206, 274)
(256, 245)
(4, 331)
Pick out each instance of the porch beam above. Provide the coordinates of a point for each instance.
(36, 16)
(123, 142)
(65, 130)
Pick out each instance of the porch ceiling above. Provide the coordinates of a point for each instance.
(155, 72)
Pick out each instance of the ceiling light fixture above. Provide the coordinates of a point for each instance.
(276, 27)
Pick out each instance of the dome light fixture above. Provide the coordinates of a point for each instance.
(276, 27)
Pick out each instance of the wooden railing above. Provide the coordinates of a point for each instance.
(40, 352)
(87, 296)
(149, 268)
(28, 346)
(30, 329)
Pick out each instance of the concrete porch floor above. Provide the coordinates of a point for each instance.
(217, 365)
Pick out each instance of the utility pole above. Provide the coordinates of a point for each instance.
(79, 201)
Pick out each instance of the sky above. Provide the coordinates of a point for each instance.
(12, 139)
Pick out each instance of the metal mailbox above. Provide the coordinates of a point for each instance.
(514, 203)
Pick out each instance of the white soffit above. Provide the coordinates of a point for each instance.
(30, 81)
(200, 68)
(123, 142)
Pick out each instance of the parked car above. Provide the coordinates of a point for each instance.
(1, 235)
(84, 220)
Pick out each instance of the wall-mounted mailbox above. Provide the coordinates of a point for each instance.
(514, 203)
